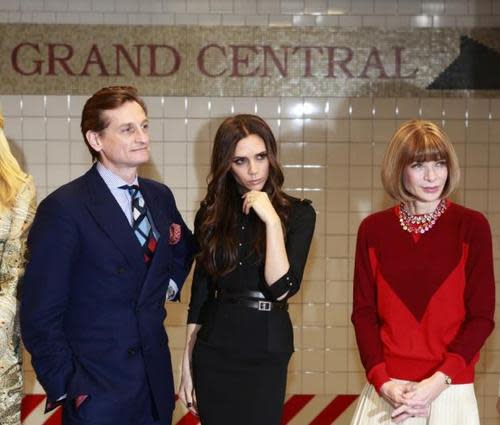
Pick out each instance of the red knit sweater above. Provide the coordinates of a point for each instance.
(423, 304)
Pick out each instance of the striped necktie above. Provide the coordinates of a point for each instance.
(141, 224)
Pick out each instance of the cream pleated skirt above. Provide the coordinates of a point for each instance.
(456, 405)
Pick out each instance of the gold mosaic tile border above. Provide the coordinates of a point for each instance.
(233, 61)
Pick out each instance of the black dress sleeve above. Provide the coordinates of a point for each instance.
(200, 286)
(300, 229)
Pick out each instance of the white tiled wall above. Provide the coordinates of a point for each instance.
(345, 13)
(330, 148)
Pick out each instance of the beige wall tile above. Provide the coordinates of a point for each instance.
(456, 130)
(268, 107)
(338, 154)
(57, 152)
(292, 107)
(244, 105)
(315, 130)
(315, 153)
(475, 177)
(314, 177)
(477, 131)
(384, 108)
(293, 177)
(175, 107)
(315, 107)
(431, 108)
(336, 337)
(338, 130)
(360, 200)
(337, 223)
(313, 360)
(291, 130)
(221, 107)
(493, 155)
(337, 314)
(336, 246)
(175, 153)
(408, 108)
(198, 130)
(154, 105)
(338, 107)
(337, 177)
(291, 153)
(294, 383)
(360, 177)
(197, 107)
(455, 108)
(477, 155)
(34, 151)
(361, 107)
(336, 383)
(361, 154)
(383, 130)
(337, 291)
(313, 383)
(335, 360)
(175, 129)
(313, 337)
(313, 314)
(477, 200)
(313, 291)
(478, 108)
(197, 153)
(361, 130)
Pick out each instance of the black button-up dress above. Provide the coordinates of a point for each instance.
(241, 354)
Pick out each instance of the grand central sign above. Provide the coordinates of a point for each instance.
(248, 61)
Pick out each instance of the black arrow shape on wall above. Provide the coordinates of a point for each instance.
(477, 67)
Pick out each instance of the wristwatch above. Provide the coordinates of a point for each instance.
(447, 380)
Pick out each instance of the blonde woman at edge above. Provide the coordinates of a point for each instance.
(424, 289)
(17, 208)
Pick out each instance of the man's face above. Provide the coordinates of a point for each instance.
(124, 144)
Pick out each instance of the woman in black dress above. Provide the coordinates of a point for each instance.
(253, 245)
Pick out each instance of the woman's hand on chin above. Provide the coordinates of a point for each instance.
(261, 204)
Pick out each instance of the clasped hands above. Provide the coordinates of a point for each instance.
(412, 399)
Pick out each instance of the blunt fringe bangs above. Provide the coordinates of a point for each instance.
(417, 141)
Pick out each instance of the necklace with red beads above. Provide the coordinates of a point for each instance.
(420, 223)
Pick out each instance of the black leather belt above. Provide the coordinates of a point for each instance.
(247, 299)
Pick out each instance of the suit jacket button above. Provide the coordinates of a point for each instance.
(131, 351)
(120, 270)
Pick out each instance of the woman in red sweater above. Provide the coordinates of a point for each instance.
(424, 290)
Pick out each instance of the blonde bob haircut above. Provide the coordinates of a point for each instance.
(417, 141)
(11, 175)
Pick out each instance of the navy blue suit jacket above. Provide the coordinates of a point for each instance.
(92, 312)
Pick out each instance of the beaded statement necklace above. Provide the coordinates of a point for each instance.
(420, 223)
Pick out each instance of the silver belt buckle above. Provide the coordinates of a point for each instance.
(264, 306)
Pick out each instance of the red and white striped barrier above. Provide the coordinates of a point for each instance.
(300, 409)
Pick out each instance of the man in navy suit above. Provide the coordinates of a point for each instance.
(106, 250)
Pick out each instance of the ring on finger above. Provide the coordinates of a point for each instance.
(189, 404)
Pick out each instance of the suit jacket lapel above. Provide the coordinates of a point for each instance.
(112, 221)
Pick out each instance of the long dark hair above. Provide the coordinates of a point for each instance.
(216, 222)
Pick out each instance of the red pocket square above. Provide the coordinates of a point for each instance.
(79, 399)
(175, 234)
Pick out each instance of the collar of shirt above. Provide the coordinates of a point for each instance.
(122, 196)
(125, 201)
